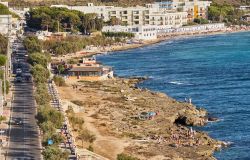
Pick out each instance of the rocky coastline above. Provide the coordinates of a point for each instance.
(122, 110)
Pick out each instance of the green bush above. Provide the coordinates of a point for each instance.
(40, 74)
(123, 156)
(47, 113)
(2, 118)
(7, 87)
(85, 135)
(119, 34)
(3, 44)
(39, 58)
(225, 13)
(32, 44)
(52, 18)
(77, 102)
(57, 138)
(201, 21)
(3, 60)
(72, 44)
(59, 81)
(48, 128)
(90, 148)
(54, 153)
(42, 96)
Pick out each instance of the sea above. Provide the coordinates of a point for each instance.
(214, 71)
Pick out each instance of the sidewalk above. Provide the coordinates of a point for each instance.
(4, 126)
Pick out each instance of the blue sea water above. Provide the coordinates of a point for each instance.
(213, 70)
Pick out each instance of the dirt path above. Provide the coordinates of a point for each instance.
(106, 146)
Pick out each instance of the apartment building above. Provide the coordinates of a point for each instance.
(5, 24)
(194, 8)
(150, 14)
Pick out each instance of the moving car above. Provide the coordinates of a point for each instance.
(18, 70)
(18, 121)
(19, 79)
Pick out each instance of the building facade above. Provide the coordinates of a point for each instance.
(151, 14)
(151, 32)
(5, 24)
(193, 8)
(90, 70)
(141, 32)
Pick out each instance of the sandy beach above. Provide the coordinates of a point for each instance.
(90, 51)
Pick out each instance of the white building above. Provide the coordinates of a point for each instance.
(192, 29)
(151, 32)
(194, 8)
(244, 8)
(151, 14)
(4, 3)
(5, 24)
(141, 32)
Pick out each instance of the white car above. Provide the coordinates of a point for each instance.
(18, 70)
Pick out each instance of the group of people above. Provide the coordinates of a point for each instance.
(187, 138)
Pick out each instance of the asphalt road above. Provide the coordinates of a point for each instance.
(24, 140)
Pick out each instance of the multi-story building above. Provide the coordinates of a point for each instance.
(194, 8)
(151, 14)
(5, 24)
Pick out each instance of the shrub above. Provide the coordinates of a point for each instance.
(42, 96)
(3, 59)
(76, 121)
(124, 156)
(77, 102)
(90, 148)
(54, 153)
(2, 118)
(40, 74)
(48, 128)
(46, 113)
(85, 135)
(32, 44)
(59, 81)
(118, 34)
(38, 58)
(3, 43)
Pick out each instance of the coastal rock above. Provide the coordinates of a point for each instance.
(212, 119)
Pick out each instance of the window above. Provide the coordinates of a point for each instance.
(136, 22)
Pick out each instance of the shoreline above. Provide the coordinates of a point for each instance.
(111, 110)
(124, 47)
(132, 141)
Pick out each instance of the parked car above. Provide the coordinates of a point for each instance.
(19, 79)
